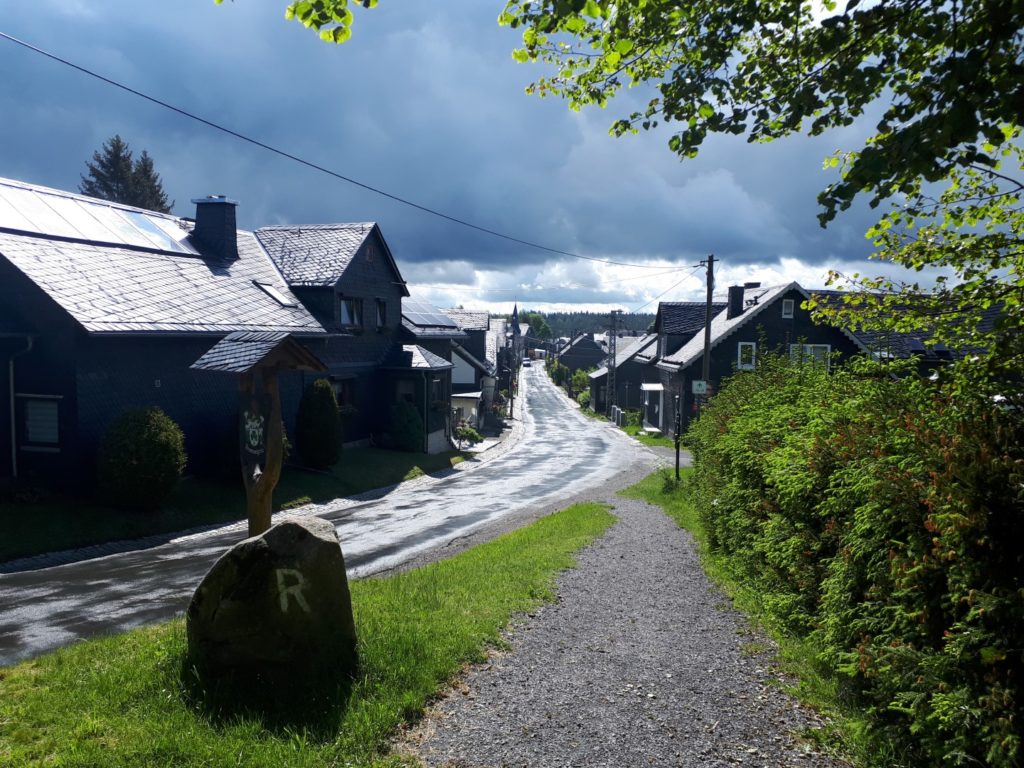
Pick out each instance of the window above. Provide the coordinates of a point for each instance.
(812, 353)
(787, 308)
(404, 390)
(351, 312)
(344, 392)
(746, 355)
(382, 314)
(40, 424)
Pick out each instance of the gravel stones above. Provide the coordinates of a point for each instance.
(640, 662)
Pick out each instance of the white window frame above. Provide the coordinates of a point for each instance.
(382, 313)
(809, 353)
(788, 306)
(752, 363)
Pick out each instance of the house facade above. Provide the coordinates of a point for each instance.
(104, 306)
(347, 277)
(753, 319)
(631, 371)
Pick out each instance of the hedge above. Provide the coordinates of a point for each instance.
(880, 518)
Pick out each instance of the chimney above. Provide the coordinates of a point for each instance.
(735, 306)
(215, 225)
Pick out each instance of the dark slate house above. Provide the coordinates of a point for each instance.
(581, 352)
(420, 377)
(631, 370)
(104, 306)
(347, 278)
(753, 316)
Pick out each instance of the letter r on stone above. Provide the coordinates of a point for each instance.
(294, 589)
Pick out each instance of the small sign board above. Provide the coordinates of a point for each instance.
(699, 387)
(252, 423)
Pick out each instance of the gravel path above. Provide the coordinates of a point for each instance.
(640, 663)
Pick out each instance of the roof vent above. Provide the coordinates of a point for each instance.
(748, 286)
(215, 226)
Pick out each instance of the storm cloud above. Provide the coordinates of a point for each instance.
(426, 103)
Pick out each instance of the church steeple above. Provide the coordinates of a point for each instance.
(515, 319)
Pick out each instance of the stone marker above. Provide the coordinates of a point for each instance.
(272, 620)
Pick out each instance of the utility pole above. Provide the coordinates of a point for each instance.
(706, 369)
(611, 399)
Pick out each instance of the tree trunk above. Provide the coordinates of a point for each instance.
(259, 491)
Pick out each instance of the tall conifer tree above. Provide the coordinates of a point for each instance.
(116, 176)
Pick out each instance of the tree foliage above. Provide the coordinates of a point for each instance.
(115, 175)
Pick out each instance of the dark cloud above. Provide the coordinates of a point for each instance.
(426, 103)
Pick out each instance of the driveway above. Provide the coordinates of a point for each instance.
(556, 453)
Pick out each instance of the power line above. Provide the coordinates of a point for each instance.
(316, 167)
(685, 278)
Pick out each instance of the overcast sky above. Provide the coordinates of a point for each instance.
(426, 103)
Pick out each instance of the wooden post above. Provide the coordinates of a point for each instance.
(259, 488)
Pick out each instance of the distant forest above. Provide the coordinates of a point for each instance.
(565, 323)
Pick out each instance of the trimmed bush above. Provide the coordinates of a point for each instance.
(406, 427)
(141, 458)
(583, 398)
(467, 434)
(318, 426)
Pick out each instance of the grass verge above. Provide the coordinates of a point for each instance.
(53, 523)
(635, 431)
(846, 733)
(122, 700)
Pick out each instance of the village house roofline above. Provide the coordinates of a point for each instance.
(629, 352)
(414, 357)
(317, 255)
(470, 320)
(157, 281)
(722, 326)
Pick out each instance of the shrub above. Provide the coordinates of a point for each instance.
(318, 426)
(583, 398)
(467, 434)
(141, 458)
(877, 516)
(406, 427)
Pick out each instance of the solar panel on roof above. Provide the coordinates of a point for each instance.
(422, 313)
(64, 216)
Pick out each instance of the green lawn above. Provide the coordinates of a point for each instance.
(51, 523)
(635, 431)
(124, 700)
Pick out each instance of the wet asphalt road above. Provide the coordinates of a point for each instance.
(558, 454)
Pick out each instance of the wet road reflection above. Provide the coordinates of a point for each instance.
(560, 454)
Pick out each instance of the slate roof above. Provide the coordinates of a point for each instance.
(414, 357)
(316, 255)
(722, 326)
(897, 344)
(125, 287)
(485, 367)
(495, 340)
(626, 352)
(240, 352)
(470, 320)
(680, 318)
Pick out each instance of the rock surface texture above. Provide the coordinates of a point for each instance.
(274, 615)
(640, 662)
